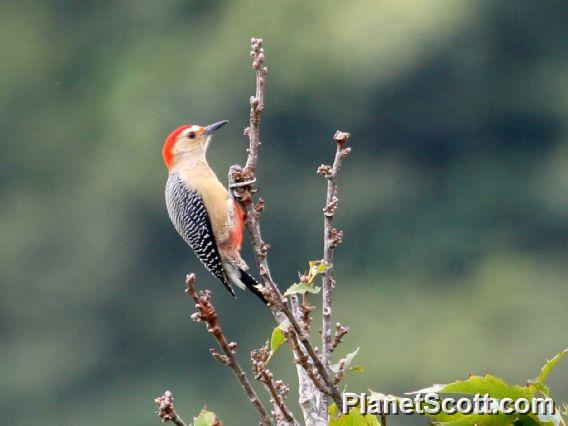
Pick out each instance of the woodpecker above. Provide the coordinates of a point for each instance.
(201, 209)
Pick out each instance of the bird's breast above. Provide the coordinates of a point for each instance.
(216, 199)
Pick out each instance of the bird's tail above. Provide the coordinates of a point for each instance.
(251, 284)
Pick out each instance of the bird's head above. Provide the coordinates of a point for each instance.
(190, 140)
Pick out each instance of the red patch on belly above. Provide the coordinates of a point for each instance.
(237, 232)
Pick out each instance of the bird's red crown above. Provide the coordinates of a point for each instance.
(168, 150)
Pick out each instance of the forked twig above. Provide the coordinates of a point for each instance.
(277, 389)
(207, 314)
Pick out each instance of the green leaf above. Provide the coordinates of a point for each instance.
(353, 418)
(538, 384)
(276, 340)
(526, 420)
(357, 369)
(348, 360)
(321, 268)
(458, 419)
(317, 267)
(497, 388)
(494, 386)
(205, 418)
(302, 288)
(549, 366)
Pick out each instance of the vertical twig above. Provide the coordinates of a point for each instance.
(256, 103)
(207, 314)
(331, 239)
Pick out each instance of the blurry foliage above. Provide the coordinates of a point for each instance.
(453, 204)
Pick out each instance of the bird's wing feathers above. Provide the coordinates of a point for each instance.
(189, 216)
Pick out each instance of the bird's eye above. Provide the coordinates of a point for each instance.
(191, 135)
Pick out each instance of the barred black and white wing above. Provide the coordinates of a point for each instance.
(189, 216)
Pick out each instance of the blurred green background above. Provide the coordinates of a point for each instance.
(454, 202)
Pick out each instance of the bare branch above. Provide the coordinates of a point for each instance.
(166, 411)
(276, 388)
(241, 181)
(331, 238)
(207, 314)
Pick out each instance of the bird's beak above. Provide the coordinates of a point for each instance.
(212, 127)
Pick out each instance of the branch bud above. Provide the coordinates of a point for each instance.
(341, 137)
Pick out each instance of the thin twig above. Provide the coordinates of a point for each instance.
(332, 238)
(238, 176)
(340, 332)
(256, 102)
(207, 314)
(166, 410)
(277, 389)
(340, 370)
